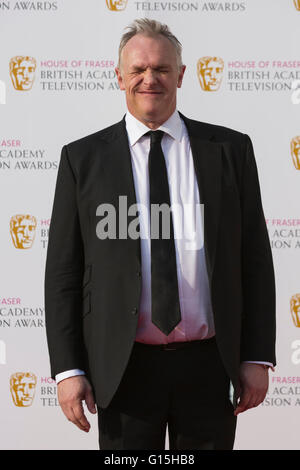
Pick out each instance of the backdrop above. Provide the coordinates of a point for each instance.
(57, 84)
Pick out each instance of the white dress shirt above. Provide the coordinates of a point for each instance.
(193, 286)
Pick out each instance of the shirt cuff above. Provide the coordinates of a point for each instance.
(68, 373)
(269, 364)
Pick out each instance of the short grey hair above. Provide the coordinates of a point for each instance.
(150, 28)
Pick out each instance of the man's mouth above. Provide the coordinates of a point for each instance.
(150, 92)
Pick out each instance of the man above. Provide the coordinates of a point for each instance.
(152, 331)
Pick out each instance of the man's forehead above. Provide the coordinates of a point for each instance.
(153, 59)
(142, 64)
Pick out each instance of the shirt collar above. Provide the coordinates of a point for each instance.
(136, 129)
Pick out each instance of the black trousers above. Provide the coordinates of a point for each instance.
(186, 389)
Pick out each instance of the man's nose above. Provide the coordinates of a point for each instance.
(149, 77)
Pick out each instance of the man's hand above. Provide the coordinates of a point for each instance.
(71, 392)
(254, 381)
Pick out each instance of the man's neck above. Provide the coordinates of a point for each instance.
(154, 123)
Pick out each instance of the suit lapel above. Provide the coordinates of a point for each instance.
(207, 157)
(118, 169)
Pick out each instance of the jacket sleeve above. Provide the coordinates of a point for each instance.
(258, 281)
(63, 275)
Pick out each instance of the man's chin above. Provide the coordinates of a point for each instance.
(152, 115)
(151, 112)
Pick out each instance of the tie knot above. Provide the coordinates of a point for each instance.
(155, 137)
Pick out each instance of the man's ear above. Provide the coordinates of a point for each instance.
(120, 79)
(180, 77)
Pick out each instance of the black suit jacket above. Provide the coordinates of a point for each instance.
(93, 286)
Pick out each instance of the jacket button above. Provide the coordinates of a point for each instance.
(138, 273)
(134, 311)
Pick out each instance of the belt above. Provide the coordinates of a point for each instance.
(176, 345)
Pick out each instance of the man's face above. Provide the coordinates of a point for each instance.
(24, 74)
(212, 75)
(150, 76)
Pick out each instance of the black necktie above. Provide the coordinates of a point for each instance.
(164, 288)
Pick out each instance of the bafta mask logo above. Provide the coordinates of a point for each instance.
(295, 151)
(22, 72)
(297, 4)
(22, 388)
(22, 230)
(210, 72)
(295, 309)
(116, 5)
